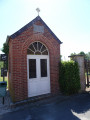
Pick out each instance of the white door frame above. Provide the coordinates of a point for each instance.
(44, 82)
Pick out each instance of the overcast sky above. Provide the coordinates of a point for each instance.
(68, 19)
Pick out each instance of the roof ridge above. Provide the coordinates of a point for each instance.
(30, 24)
(22, 29)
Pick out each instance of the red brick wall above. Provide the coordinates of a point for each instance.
(18, 61)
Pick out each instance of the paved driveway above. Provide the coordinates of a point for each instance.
(73, 108)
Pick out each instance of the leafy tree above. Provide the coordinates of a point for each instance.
(86, 55)
(82, 53)
(5, 48)
(73, 54)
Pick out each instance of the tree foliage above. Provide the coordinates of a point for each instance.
(5, 48)
(86, 55)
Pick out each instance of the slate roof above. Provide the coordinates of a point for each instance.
(30, 24)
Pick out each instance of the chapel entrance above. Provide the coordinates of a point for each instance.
(38, 69)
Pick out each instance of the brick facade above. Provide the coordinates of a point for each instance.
(18, 60)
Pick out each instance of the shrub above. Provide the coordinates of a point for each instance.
(69, 78)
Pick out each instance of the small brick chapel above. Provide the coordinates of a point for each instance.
(34, 56)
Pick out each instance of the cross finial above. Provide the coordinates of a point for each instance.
(38, 10)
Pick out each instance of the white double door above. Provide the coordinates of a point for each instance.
(38, 75)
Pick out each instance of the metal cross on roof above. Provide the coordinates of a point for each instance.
(38, 10)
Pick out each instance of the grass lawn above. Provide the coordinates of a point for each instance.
(1, 78)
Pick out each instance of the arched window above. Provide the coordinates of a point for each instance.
(37, 48)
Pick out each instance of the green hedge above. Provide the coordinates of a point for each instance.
(69, 78)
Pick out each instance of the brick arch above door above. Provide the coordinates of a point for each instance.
(52, 45)
(37, 48)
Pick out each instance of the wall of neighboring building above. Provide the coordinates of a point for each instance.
(18, 61)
